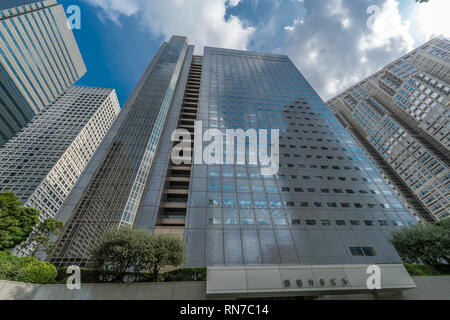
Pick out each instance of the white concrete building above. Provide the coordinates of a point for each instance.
(401, 115)
(43, 162)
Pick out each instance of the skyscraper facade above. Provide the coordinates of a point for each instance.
(327, 204)
(42, 163)
(39, 60)
(401, 115)
(110, 191)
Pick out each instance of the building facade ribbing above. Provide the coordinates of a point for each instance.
(39, 61)
(43, 162)
(401, 115)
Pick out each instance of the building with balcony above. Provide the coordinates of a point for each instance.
(401, 116)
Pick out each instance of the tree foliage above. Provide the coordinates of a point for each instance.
(424, 243)
(16, 221)
(445, 224)
(40, 238)
(124, 251)
(165, 250)
(26, 269)
(184, 274)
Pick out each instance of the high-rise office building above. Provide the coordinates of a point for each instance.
(42, 163)
(8, 4)
(326, 205)
(39, 60)
(401, 115)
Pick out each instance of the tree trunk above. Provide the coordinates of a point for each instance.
(155, 271)
(36, 249)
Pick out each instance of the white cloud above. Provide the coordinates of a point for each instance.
(202, 21)
(233, 3)
(430, 20)
(291, 28)
(331, 43)
(334, 48)
(388, 24)
(337, 9)
(112, 9)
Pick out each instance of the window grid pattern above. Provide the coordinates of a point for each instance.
(326, 195)
(122, 171)
(44, 161)
(39, 60)
(405, 116)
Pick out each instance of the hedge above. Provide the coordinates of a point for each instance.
(179, 275)
(87, 275)
(416, 270)
(26, 269)
(185, 274)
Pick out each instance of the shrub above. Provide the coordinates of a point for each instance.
(445, 224)
(95, 276)
(415, 270)
(427, 244)
(39, 272)
(185, 274)
(130, 252)
(121, 251)
(87, 275)
(26, 269)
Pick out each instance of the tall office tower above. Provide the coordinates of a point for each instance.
(42, 163)
(326, 205)
(39, 60)
(401, 115)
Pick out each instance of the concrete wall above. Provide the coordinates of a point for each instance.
(428, 288)
(136, 291)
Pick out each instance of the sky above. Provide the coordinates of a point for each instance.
(334, 43)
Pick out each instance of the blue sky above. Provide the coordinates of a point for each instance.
(330, 41)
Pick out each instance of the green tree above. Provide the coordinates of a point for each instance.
(444, 223)
(40, 238)
(424, 243)
(26, 269)
(16, 221)
(134, 251)
(121, 251)
(165, 250)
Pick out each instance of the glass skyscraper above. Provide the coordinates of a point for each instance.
(327, 204)
(112, 188)
(39, 61)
